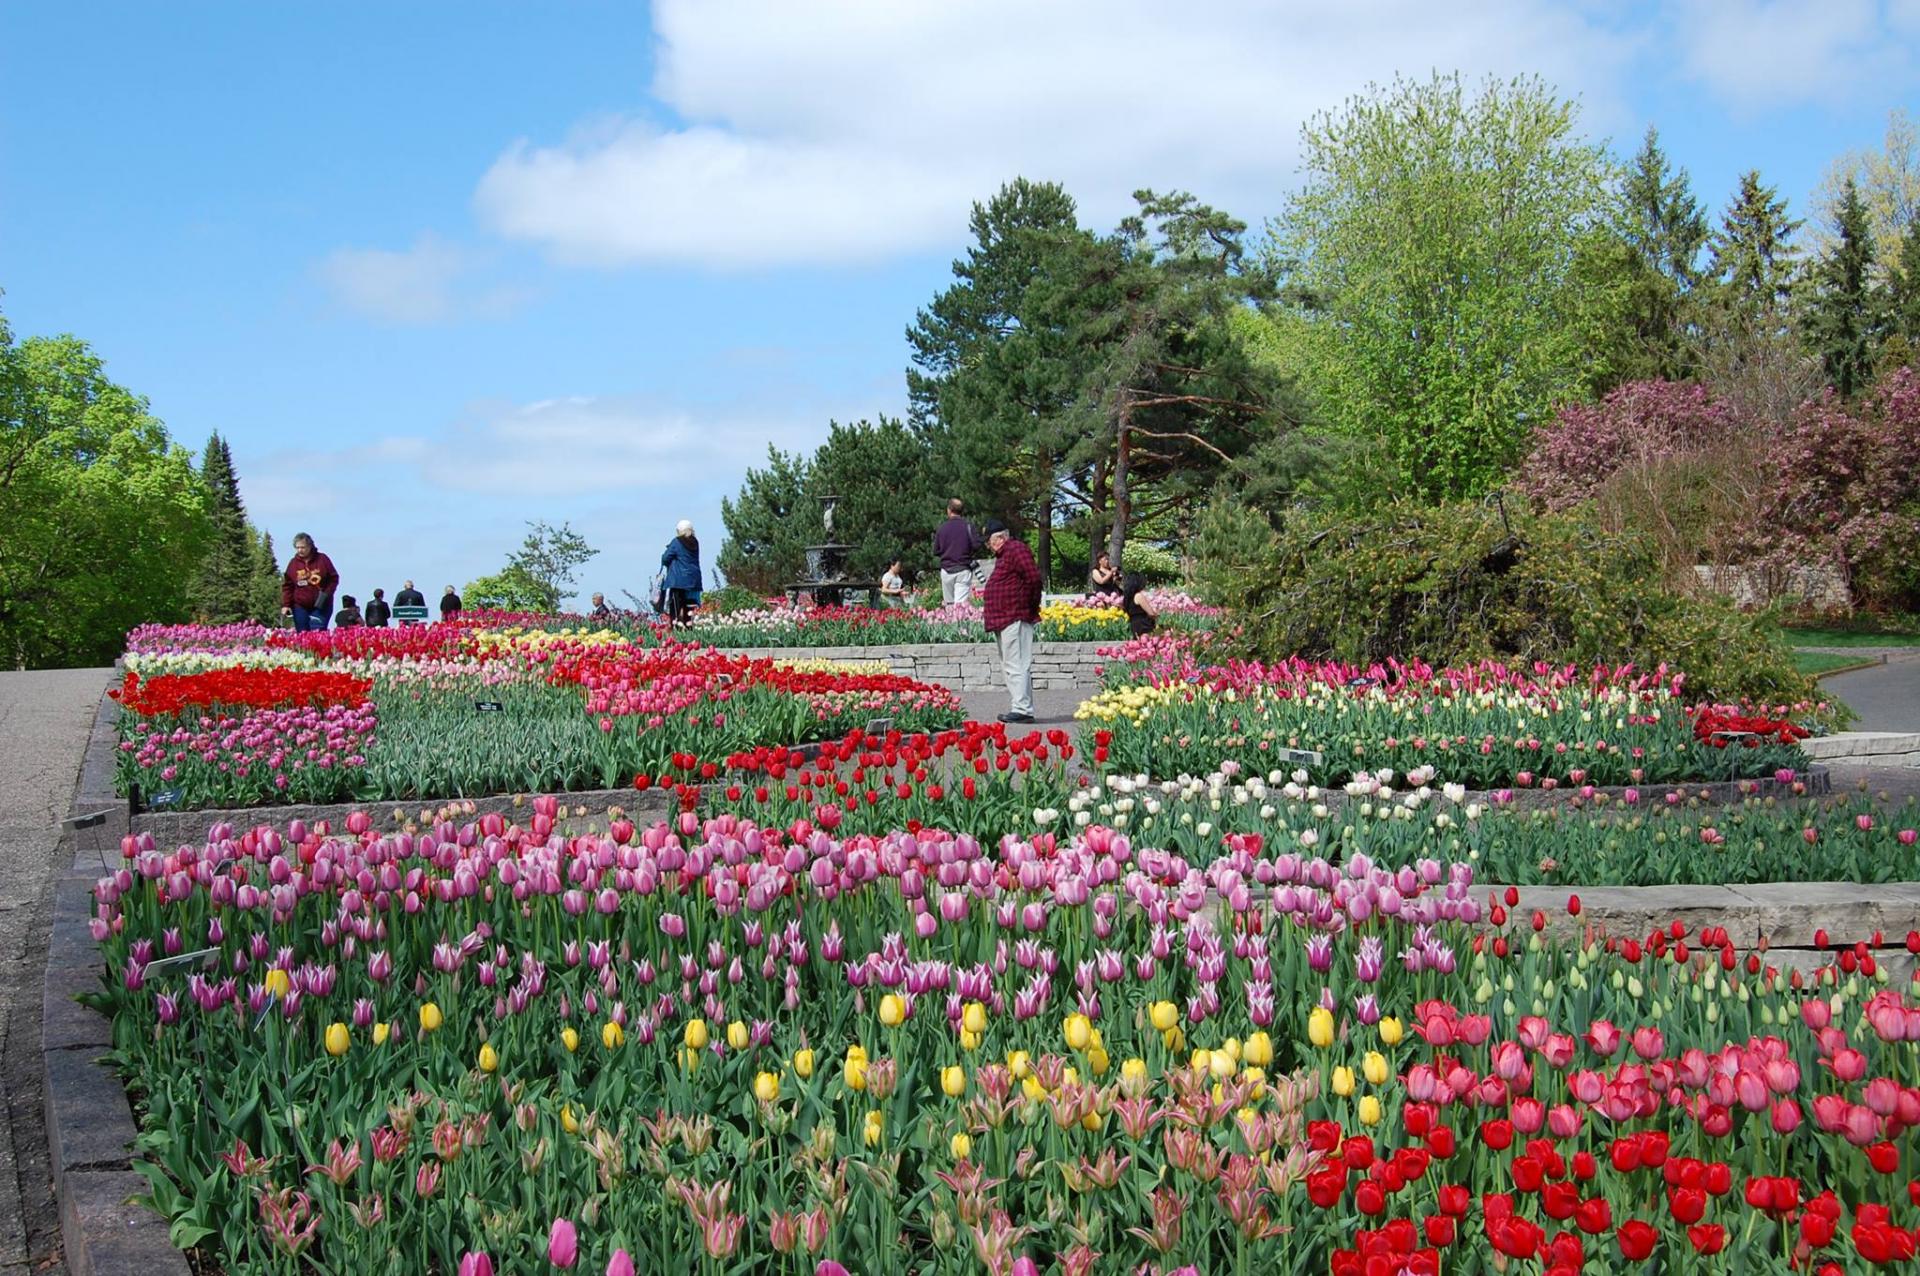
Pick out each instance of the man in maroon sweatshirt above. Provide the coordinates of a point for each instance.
(306, 590)
(1012, 609)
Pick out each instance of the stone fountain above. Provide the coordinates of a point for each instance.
(827, 584)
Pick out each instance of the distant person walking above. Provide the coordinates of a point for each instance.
(1142, 616)
(378, 613)
(348, 616)
(681, 559)
(1012, 609)
(957, 546)
(601, 612)
(306, 588)
(1103, 576)
(450, 604)
(893, 586)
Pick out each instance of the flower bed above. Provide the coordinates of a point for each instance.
(241, 715)
(734, 1047)
(1165, 713)
(1097, 619)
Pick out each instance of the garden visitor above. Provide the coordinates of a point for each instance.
(1100, 580)
(1012, 607)
(601, 612)
(1142, 616)
(893, 587)
(957, 546)
(306, 589)
(378, 613)
(449, 604)
(348, 617)
(409, 597)
(681, 559)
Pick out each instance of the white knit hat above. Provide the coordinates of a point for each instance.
(685, 526)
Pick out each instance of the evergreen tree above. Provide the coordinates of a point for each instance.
(1840, 322)
(1663, 228)
(1752, 262)
(223, 589)
(264, 589)
(1902, 307)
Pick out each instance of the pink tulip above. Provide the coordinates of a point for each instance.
(621, 1264)
(1786, 1116)
(563, 1244)
(472, 1264)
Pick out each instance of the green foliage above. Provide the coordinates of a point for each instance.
(1841, 318)
(1456, 583)
(1650, 253)
(1753, 261)
(509, 589)
(1434, 248)
(726, 601)
(1072, 560)
(105, 520)
(264, 591)
(224, 590)
(887, 478)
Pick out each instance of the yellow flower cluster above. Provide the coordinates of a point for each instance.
(1075, 614)
(1374, 1068)
(1137, 704)
(857, 668)
(520, 638)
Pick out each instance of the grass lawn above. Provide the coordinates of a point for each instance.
(1819, 662)
(1848, 638)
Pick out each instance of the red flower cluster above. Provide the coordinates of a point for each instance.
(240, 688)
(1720, 726)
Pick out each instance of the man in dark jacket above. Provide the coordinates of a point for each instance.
(377, 611)
(1012, 609)
(956, 545)
(348, 617)
(306, 588)
(411, 597)
(449, 604)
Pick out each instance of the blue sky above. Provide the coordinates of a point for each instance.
(435, 269)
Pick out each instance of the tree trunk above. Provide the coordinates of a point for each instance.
(1043, 535)
(1122, 495)
(1097, 510)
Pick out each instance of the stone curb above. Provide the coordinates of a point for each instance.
(90, 1129)
(958, 666)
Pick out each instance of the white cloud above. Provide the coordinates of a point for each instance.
(431, 282)
(851, 132)
(1767, 54)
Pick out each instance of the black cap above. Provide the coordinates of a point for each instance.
(995, 526)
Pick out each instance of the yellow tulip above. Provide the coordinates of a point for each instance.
(893, 1010)
(489, 1058)
(973, 1018)
(1390, 1031)
(1220, 1064)
(1231, 1048)
(696, 1034)
(1374, 1067)
(337, 1039)
(803, 1064)
(1099, 1061)
(1134, 1069)
(689, 1059)
(1320, 1027)
(766, 1086)
(875, 1122)
(1069, 1076)
(1258, 1051)
(737, 1037)
(1091, 1121)
(1031, 1087)
(953, 1081)
(855, 1073)
(277, 983)
(1201, 1061)
(1165, 1015)
(567, 1121)
(570, 1039)
(1078, 1031)
(430, 1017)
(381, 1031)
(1019, 1065)
(612, 1034)
(961, 1146)
(1369, 1110)
(969, 1040)
(1175, 1040)
(1343, 1081)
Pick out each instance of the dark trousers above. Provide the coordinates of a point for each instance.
(679, 606)
(305, 618)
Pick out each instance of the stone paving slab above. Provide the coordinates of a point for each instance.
(120, 1238)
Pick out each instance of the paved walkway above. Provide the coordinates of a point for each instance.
(1887, 697)
(1050, 708)
(44, 721)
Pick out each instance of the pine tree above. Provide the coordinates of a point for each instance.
(1664, 227)
(1752, 265)
(1903, 291)
(264, 589)
(1840, 322)
(222, 592)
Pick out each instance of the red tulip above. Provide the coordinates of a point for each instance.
(1636, 1239)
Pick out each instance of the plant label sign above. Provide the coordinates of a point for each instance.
(410, 614)
(879, 726)
(165, 798)
(488, 706)
(1305, 757)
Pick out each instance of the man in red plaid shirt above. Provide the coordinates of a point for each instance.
(1012, 606)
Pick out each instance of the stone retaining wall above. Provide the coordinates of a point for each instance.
(1867, 748)
(961, 666)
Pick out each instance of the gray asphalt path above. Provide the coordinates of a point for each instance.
(44, 721)
(1050, 708)
(1887, 697)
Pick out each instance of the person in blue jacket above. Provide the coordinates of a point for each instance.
(682, 563)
